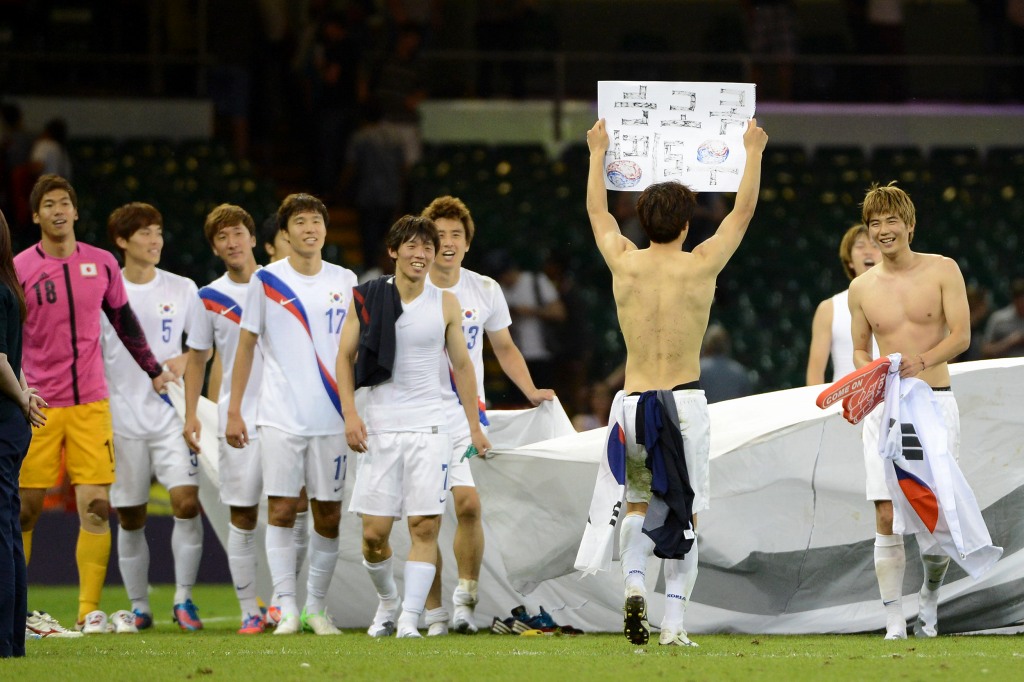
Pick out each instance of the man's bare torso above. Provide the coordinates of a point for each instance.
(905, 311)
(664, 300)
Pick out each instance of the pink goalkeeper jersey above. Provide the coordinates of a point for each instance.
(65, 297)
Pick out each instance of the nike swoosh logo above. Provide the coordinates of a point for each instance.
(886, 603)
(192, 473)
(287, 301)
(228, 310)
(242, 587)
(338, 489)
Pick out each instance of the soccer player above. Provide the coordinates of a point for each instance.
(231, 232)
(399, 327)
(296, 307)
(67, 285)
(483, 310)
(663, 296)
(147, 429)
(914, 304)
(830, 330)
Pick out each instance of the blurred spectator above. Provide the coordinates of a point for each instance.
(338, 88)
(978, 302)
(721, 377)
(424, 14)
(15, 141)
(397, 83)
(235, 33)
(533, 301)
(595, 404)
(1004, 333)
(708, 214)
(878, 30)
(376, 173)
(772, 28)
(1015, 21)
(383, 265)
(49, 153)
(570, 340)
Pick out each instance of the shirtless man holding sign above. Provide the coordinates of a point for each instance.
(663, 296)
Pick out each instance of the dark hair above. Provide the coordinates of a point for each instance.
(664, 210)
(454, 209)
(48, 183)
(57, 129)
(269, 230)
(8, 275)
(300, 203)
(126, 220)
(227, 215)
(410, 227)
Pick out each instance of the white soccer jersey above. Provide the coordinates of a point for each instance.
(484, 309)
(410, 399)
(217, 325)
(299, 320)
(166, 308)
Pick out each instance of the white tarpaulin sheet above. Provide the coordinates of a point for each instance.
(785, 548)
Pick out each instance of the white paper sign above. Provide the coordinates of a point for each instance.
(685, 132)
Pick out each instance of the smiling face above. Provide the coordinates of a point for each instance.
(143, 247)
(890, 233)
(413, 258)
(307, 232)
(56, 215)
(453, 244)
(863, 255)
(233, 244)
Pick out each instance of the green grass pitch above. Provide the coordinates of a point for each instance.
(217, 653)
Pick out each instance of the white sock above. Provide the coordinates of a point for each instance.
(301, 530)
(934, 572)
(187, 548)
(281, 562)
(635, 549)
(438, 615)
(418, 577)
(133, 560)
(890, 564)
(382, 575)
(680, 576)
(323, 557)
(467, 592)
(242, 562)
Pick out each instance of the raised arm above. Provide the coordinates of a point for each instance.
(821, 343)
(610, 241)
(718, 249)
(235, 432)
(462, 369)
(344, 372)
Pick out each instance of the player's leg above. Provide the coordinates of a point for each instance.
(377, 498)
(241, 484)
(419, 572)
(935, 566)
(301, 530)
(326, 465)
(283, 458)
(469, 554)
(680, 577)
(426, 457)
(129, 495)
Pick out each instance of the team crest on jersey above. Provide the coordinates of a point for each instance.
(336, 298)
(87, 269)
(166, 308)
(470, 315)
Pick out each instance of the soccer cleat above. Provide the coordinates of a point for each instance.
(273, 616)
(124, 622)
(896, 634)
(186, 615)
(383, 624)
(252, 625)
(43, 625)
(634, 622)
(289, 625)
(462, 620)
(29, 634)
(502, 627)
(143, 620)
(95, 623)
(669, 638)
(318, 623)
